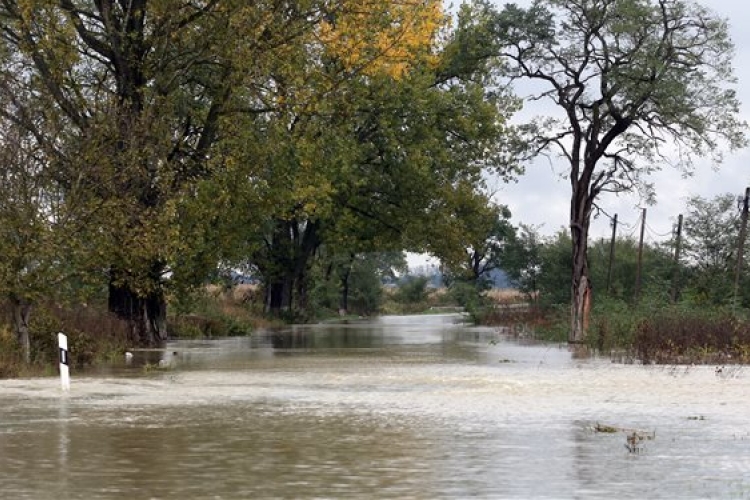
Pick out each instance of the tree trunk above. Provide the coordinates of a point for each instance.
(146, 315)
(581, 289)
(344, 302)
(306, 245)
(288, 261)
(278, 294)
(21, 313)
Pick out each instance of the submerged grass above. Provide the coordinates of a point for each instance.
(653, 332)
(96, 336)
(93, 336)
(693, 337)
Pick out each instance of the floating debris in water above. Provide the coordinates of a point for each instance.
(634, 438)
(607, 429)
(633, 443)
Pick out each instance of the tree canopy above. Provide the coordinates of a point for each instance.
(231, 132)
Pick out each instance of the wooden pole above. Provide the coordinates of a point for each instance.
(611, 254)
(676, 261)
(640, 259)
(741, 246)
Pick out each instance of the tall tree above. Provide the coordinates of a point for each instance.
(47, 227)
(636, 82)
(293, 154)
(33, 230)
(144, 87)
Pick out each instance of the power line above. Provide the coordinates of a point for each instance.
(662, 235)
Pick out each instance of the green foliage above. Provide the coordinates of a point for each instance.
(12, 359)
(93, 335)
(471, 297)
(171, 136)
(380, 164)
(656, 272)
(352, 284)
(147, 145)
(554, 274)
(553, 277)
(365, 289)
(710, 250)
(522, 260)
(466, 295)
(613, 324)
(679, 54)
(136, 105)
(489, 236)
(215, 313)
(413, 290)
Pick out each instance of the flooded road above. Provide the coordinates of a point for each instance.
(400, 407)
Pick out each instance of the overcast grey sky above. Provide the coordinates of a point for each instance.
(541, 196)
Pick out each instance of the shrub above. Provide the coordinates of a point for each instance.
(413, 290)
(214, 313)
(680, 336)
(92, 334)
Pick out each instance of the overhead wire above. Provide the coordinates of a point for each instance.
(661, 235)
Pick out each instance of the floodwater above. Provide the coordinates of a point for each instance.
(397, 407)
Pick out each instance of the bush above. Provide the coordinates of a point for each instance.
(613, 324)
(467, 295)
(11, 357)
(92, 335)
(680, 336)
(413, 290)
(214, 313)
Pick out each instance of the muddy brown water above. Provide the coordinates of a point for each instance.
(397, 407)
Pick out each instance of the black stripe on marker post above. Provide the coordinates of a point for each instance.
(63, 356)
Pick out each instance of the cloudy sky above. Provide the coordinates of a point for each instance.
(541, 196)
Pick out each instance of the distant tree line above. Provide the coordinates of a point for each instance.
(703, 275)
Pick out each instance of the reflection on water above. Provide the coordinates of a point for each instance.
(400, 407)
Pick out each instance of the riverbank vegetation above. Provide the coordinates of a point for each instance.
(656, 305)
(158, 153)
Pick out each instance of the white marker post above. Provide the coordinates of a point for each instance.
(62, 340)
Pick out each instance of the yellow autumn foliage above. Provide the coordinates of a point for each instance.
(382, 37)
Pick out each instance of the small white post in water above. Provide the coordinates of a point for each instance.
(62, 340)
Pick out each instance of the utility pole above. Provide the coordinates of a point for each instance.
(741, 246)
(611, 254)
(676, 261)
(640, 259)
